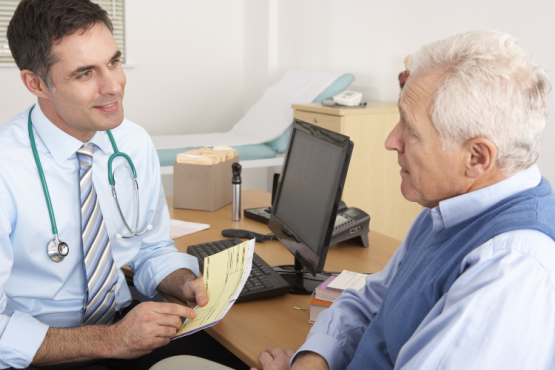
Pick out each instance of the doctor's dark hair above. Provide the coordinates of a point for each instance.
(38, 24)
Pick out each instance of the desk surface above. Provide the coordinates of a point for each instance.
(251, 327)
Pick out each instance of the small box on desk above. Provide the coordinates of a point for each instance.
(202, 187)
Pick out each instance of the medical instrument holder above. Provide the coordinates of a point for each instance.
(236, 192)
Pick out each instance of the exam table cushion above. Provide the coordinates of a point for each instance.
(269, 149)
(245, 152)
(339, 85)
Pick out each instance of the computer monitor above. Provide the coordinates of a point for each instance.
(307, 198)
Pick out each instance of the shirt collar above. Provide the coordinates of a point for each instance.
(454, 210)
(60, 144)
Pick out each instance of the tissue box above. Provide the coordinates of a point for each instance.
(202, 187)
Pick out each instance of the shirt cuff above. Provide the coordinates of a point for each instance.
(158, 268)
(21, 340)
(327, 347)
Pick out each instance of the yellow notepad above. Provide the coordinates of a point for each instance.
(225, 274)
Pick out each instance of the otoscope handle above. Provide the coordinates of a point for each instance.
(236, 192)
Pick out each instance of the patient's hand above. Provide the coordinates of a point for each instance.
(278, 359)
(275, 358)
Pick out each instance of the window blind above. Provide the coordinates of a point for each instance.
(7, 8)
(116, 12)
(115, 9)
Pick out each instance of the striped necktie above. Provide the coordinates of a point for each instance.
(99, 264)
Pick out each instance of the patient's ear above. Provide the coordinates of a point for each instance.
(481, 157)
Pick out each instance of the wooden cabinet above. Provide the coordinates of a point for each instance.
(373, 181)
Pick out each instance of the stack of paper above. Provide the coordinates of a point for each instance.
(347, 280)
(331, 289)
(317, 306)
(182, 228)
(323, 293)
(208, 156)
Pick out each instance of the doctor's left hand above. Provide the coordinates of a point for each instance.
(186, 286)
(194, 293)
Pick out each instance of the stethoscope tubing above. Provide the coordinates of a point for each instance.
(54, 245)
(42, 177)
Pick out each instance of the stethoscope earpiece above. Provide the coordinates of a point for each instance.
(119, 236)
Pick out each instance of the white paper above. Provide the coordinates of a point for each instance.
(181, 228)
(348, 279)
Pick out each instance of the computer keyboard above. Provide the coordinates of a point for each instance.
(263, 281)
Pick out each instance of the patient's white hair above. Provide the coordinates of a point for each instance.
(489, 88)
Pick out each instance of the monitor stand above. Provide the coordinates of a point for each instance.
(301, 281)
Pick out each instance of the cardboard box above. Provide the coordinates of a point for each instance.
(202, 187)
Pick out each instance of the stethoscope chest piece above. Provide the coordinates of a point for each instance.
(57, 250)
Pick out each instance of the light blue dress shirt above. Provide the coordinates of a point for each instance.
(35, 292)
(499, 314)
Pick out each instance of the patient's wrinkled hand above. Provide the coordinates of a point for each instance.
(275, 358)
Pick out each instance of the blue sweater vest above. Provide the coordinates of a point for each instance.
(432, 265)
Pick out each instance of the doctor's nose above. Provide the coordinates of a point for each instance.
(112, 83)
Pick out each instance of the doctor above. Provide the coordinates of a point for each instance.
(60, 308)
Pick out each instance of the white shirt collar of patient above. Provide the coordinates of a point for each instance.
(457, 209)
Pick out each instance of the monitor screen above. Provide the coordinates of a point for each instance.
(309, 191)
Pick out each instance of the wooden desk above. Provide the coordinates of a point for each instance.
(250, 327)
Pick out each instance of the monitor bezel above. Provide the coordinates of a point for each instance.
(312, 261)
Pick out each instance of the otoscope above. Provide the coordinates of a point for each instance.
(236, 195)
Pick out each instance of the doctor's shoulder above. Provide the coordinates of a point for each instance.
(128, 133)
(14, 134)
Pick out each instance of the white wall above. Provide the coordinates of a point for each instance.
(206, 62)
(371, 38)
(188, 57)
(187, 67)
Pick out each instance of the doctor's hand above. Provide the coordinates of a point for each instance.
(194, 293)
(185, 286)
(146, 327)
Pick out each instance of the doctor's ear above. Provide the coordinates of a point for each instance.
(481, 157)
(34, 83)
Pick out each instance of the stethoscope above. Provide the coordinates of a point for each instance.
(56, 248)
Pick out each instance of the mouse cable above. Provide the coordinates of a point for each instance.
(245, 234)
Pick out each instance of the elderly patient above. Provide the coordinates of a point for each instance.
(472, 284)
